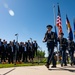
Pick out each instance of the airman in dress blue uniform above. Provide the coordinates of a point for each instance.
(62, 47)
(71, 48)
(50, 38)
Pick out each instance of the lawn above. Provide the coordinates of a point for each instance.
(19, 65)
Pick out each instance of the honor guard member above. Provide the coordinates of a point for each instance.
(71, 45)
(50, 38)
(62, 47)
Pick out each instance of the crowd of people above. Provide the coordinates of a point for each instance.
(17, 52)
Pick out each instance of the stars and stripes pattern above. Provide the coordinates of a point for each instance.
(58, 22)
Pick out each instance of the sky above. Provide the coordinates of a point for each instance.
(29, 18)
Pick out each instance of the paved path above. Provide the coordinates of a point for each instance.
(38, 70)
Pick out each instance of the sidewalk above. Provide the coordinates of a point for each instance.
(38, 70)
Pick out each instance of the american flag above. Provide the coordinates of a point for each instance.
(16, 34)
(58, 22)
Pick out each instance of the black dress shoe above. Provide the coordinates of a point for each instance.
(61, 65)
(47, 65)
(71, 64)
(65, 65)
(53, 66)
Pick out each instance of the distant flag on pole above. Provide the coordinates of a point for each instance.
(16, 34)
(58, 22)
(70, 33)
(74, 28)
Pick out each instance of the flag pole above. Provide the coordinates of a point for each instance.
(55, 28)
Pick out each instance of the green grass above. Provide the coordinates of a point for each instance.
(19, 65)
(41, 60)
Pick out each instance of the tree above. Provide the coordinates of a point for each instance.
(40, 53)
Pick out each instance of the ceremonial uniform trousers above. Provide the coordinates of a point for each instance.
(71, 52)
(63, 54)
(50, 46)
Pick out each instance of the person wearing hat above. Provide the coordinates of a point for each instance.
(63, 44)
(50, 38)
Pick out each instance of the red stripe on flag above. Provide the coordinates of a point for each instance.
(59, 23)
